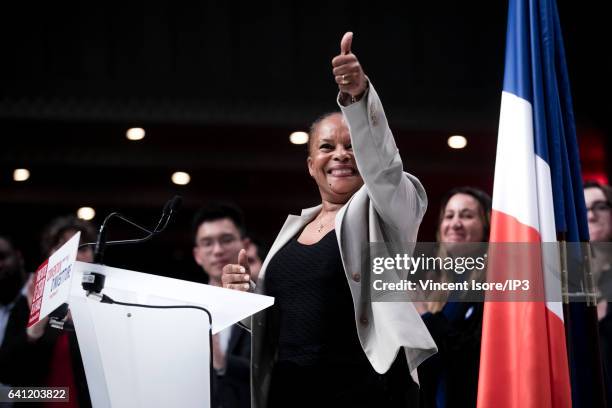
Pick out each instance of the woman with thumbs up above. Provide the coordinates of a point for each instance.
(324, 342)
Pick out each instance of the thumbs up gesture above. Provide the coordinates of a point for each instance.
(237, 276)
(347, 70)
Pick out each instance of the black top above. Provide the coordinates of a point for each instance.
(314, 306)
(320, 361)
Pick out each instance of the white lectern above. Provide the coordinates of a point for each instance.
(151, 357)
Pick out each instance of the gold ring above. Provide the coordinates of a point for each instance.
(344, 81)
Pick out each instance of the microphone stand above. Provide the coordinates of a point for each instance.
(93, 282)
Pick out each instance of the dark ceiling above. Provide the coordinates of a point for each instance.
(218, 86)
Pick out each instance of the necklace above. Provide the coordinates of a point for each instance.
(321, 224)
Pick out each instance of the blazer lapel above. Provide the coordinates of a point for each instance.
(292, 226)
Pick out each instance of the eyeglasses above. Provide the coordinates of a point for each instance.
(207, 244)
(599, 207)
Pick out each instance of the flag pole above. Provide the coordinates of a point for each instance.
(587, 295)
(589, 280)
(564, 273)
(593, 321)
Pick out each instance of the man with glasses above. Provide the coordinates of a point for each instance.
(219, 239)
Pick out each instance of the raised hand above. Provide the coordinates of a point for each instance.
(237, 276)
(347, 70)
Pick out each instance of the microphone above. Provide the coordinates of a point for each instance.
(93, 282)
(170, 208)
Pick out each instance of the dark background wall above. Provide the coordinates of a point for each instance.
(218, 86)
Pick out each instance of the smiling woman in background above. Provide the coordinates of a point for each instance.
(450, 378)
(324, 343)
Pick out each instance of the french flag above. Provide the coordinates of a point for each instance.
(537, 198)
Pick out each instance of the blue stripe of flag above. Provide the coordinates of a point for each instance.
(536, 72)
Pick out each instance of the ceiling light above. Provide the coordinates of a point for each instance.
(457, 142)
(86, 213)
(135, 134)
(298, 138)
(21, 174)
(181, 178)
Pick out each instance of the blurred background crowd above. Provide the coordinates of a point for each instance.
(117, 108)
(218, 88)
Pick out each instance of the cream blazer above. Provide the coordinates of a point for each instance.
(387, 208)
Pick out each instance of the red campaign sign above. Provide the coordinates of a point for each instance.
(39, 289)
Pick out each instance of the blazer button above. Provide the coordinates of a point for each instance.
(356, 277)
(364, 320)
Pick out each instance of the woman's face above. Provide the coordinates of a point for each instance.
(331, 161)
(598, 215)
(462, 220)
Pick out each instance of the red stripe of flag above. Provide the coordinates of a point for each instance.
(523, 359)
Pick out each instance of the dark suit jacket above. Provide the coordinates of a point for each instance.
(232, 388)
(18, 359)
(605, 339)
(27, 364)
(455, 367)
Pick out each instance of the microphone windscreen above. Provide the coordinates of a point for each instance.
(175, 203)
